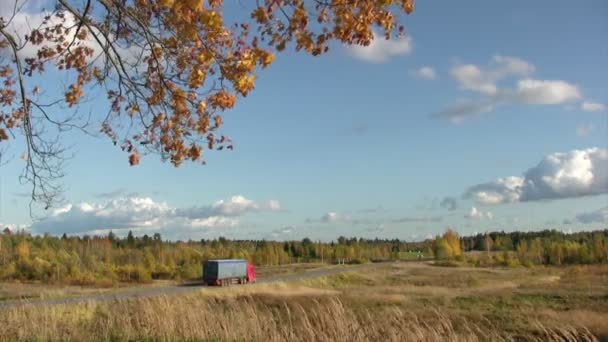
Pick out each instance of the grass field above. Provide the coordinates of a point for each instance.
(403, 301)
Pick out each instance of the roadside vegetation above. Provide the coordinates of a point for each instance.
(522, 249)
(108, 261)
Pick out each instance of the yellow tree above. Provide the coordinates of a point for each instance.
(453, 240)
(168, 68)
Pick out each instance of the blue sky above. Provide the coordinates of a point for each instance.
(370, 141)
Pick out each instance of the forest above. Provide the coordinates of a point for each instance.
(108, 260)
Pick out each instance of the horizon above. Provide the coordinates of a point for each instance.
(428, 238)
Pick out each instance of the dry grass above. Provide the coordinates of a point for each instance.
(402, 302)
(251, 317)
(34, 291)
(512, 299)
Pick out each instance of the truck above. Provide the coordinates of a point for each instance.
(228, 271)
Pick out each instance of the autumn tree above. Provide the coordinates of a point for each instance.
(168, 68)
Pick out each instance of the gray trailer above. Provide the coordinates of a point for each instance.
(228, 271)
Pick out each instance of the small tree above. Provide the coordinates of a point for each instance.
(442, 249)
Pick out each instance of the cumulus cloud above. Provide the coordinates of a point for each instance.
(476, 214)
(470, 77)
(546, 92)
(503, 190)
(597, 216)
(426, 73)
(449, 203)
(588, 106)
(485, 81)
(559, 175)
(235, 206)
(143, 213)
(381, 50)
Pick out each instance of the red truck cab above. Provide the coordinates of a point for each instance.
(250, 273)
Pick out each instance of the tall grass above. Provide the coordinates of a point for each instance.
(255, 317)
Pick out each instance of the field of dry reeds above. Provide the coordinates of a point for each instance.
(400, 302)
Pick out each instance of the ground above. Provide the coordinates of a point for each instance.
(397, 301)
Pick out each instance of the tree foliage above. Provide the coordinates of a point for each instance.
(109, 259)
(105, 260)
(169, 69)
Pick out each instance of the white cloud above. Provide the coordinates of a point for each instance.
(588, 106)
(597, 216)
(476, 214)
(546, 92)
(143, 213)
(470, 77)
(381, 50)
(504, 190)
(426, 72)
(274, 205)
(584, 130)
(214, 221)
(332, 217)
(235, 206)
(559, 175)
(503, 66)
(32, 15)
(485, 82)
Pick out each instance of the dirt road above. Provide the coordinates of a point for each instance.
(178, 289)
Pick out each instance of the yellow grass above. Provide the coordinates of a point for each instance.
(403, 302)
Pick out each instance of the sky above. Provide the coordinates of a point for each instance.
(487, 116)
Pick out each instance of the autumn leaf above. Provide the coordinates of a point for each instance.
(134, 159)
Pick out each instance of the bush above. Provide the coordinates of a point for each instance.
(162, 272)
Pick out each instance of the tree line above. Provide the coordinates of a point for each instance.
(85, 260)
(547, 247)
(109, 259)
